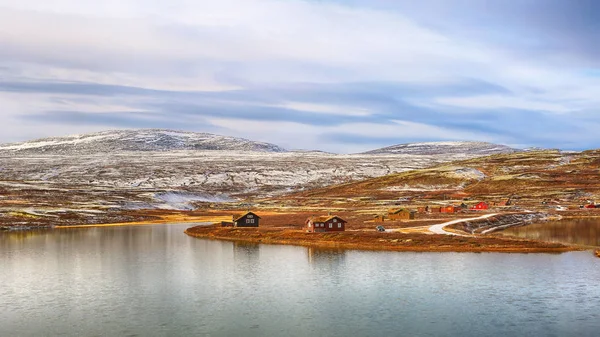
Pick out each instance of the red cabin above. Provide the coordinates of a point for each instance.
(481, 206)
(590, 206)
(330, 223)
(448, 209)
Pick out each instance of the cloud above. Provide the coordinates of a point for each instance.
(328, 72)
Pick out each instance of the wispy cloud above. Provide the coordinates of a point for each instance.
(334, 75)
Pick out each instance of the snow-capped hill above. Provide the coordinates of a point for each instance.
(440, 148)
(138, 140)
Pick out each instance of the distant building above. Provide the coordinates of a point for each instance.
(379, 218)
(435, 209)
(505, 202)
(449, 209)
(590, 206)
(329, 223)
(401, 214)
(247, 219)
(423, 209)
(480, 206)
(226, 224)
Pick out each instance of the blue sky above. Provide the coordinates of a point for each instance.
(342, 76)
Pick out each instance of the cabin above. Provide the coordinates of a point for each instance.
(590, 206)
(480, 206)
(448, 209)
(401, 214)
(379, 218)
(505, 202)
(329, 223)
(247, 219)
(423, 209)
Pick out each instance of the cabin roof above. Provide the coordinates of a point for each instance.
(325, 218)
(400, 210)
(236, 217)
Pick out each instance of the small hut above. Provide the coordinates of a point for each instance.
(401, 214)
(379, 218)
(248, 219)
(329, 223)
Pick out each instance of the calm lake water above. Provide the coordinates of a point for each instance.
(577, 231)
(156, 281)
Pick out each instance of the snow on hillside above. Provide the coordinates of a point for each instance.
(438, 148)
(137, 140)
(207, 165)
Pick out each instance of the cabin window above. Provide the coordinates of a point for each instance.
(334, 220)
(339, 225)
(249, 220)
(330, 225)
(250, 215)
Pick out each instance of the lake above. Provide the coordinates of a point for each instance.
(157, 281)
(582, 231)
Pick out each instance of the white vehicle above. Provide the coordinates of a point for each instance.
(561, 208)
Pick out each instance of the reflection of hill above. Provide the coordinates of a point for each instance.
(22, 235)
(584, 232)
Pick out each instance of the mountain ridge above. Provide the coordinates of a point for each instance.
(450, 147)
(138, 140)
(162, 140)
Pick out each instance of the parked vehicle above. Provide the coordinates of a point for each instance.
(380, 228)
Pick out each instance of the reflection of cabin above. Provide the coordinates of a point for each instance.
(401, 214)
(379, 218)
(481, 206)
(248, 219)
(329, 223)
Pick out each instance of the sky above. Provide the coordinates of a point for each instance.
(332, 75)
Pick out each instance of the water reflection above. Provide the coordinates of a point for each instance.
(156, 281)
(584, 232)
(330, 257)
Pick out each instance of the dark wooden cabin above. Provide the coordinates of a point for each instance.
(247, 219)
(329, 223)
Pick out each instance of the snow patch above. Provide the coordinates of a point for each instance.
(183, 200)
(468, 173)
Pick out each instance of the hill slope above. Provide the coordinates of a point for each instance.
(434, 148)
(137, 140)
(536, 175)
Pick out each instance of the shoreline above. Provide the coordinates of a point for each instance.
(165, 220)
(373, 241)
